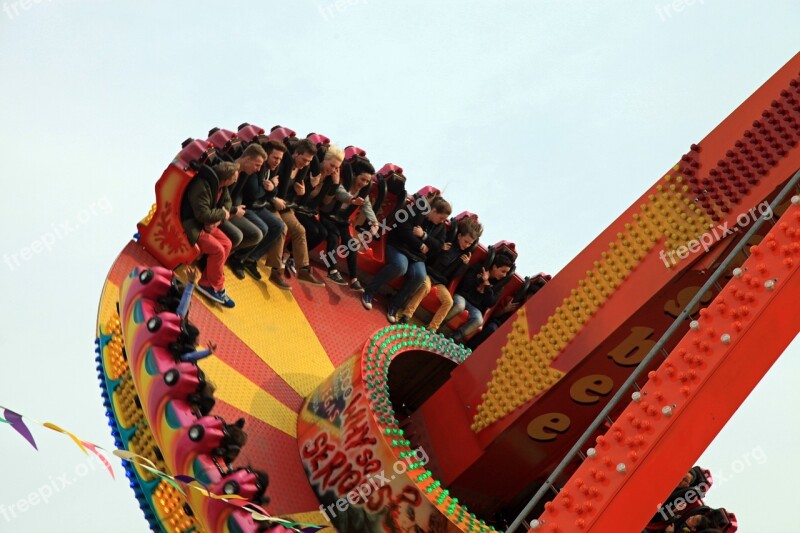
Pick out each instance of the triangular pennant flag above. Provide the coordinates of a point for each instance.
(16, 422)
(100, 456)
(166, 477)
(75, 439)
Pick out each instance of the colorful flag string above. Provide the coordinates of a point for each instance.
(15, 420)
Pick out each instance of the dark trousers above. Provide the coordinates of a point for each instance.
(339, 232)
(315, 231)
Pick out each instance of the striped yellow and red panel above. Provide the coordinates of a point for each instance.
(274, 348)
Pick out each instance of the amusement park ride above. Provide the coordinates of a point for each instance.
(632, 357)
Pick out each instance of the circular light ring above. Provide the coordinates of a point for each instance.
(378, 353)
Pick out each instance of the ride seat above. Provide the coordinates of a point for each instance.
(162, 234)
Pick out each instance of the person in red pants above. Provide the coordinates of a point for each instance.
(206, 204)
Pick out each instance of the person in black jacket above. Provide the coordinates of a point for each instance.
(205, 207)
(476, 294)
(244, 235)
(318, 189)
(292, 174)
(408, 245)
(443, 267)
(255, 193)
(350, 195)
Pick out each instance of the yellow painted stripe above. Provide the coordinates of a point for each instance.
(108, 303)
(236, 390)
(270, 322)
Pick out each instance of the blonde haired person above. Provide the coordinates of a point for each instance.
(316, 190)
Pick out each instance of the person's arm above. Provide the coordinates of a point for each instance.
(455, 269)
(470, 282)
(226, 200)
(366, 208)
(404, 233)
(199, 354)
(202, 204)
(341, 195)
(490, 295)
(433, 239)
(192, 276)
(284, 177)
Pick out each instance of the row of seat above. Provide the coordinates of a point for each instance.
(179, 401)
(161, 235)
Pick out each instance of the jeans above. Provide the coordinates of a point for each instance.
(271, 226)
(474, 321)
(244, 235)
(398, 264)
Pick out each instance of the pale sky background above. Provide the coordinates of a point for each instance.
(570, 110)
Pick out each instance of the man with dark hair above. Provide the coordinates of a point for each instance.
(407, 246)
(292, 174)
(244, 235)
(206, 205)
(255, 194)
(443, 268)
(335, 217)
(476, 293)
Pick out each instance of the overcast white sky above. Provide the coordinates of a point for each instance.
(565, 111)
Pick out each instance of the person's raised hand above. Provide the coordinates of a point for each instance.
(192, 274)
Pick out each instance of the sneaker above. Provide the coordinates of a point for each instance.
(391, 315)
(276, 278)
(403, 319)
(305, 275)
(366, 301)
(226, 300)
(251, 267)
(337, 278)
(210, 293)
(356, 285)
(237, 267)
(289, 268)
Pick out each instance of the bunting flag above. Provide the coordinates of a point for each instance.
(259, 514)
(101, 457)
(15, 421)
(75, 439)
